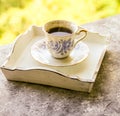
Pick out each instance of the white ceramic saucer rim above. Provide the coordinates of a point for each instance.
(60, 65)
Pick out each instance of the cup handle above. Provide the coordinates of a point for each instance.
(80, 38)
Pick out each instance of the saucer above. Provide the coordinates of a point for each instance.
(41, 54)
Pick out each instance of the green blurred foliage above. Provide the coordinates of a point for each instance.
(17, 15)
(6, 4)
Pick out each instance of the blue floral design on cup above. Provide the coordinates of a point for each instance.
(61, 47)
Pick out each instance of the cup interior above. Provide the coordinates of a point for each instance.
(60, 25)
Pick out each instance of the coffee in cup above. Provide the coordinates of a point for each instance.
(62, 36)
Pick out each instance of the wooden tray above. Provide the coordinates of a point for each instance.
(21, 66)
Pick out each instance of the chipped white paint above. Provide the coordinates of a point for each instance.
(21, 66)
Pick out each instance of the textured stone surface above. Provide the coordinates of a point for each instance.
(24, 99)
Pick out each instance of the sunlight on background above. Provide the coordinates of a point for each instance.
(18, 15)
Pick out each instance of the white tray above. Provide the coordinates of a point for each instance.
(21, 66)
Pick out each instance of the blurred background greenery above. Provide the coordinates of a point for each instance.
(17, 15)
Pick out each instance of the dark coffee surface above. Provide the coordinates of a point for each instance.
(60, 31)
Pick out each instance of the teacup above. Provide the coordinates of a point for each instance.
(62, 36)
